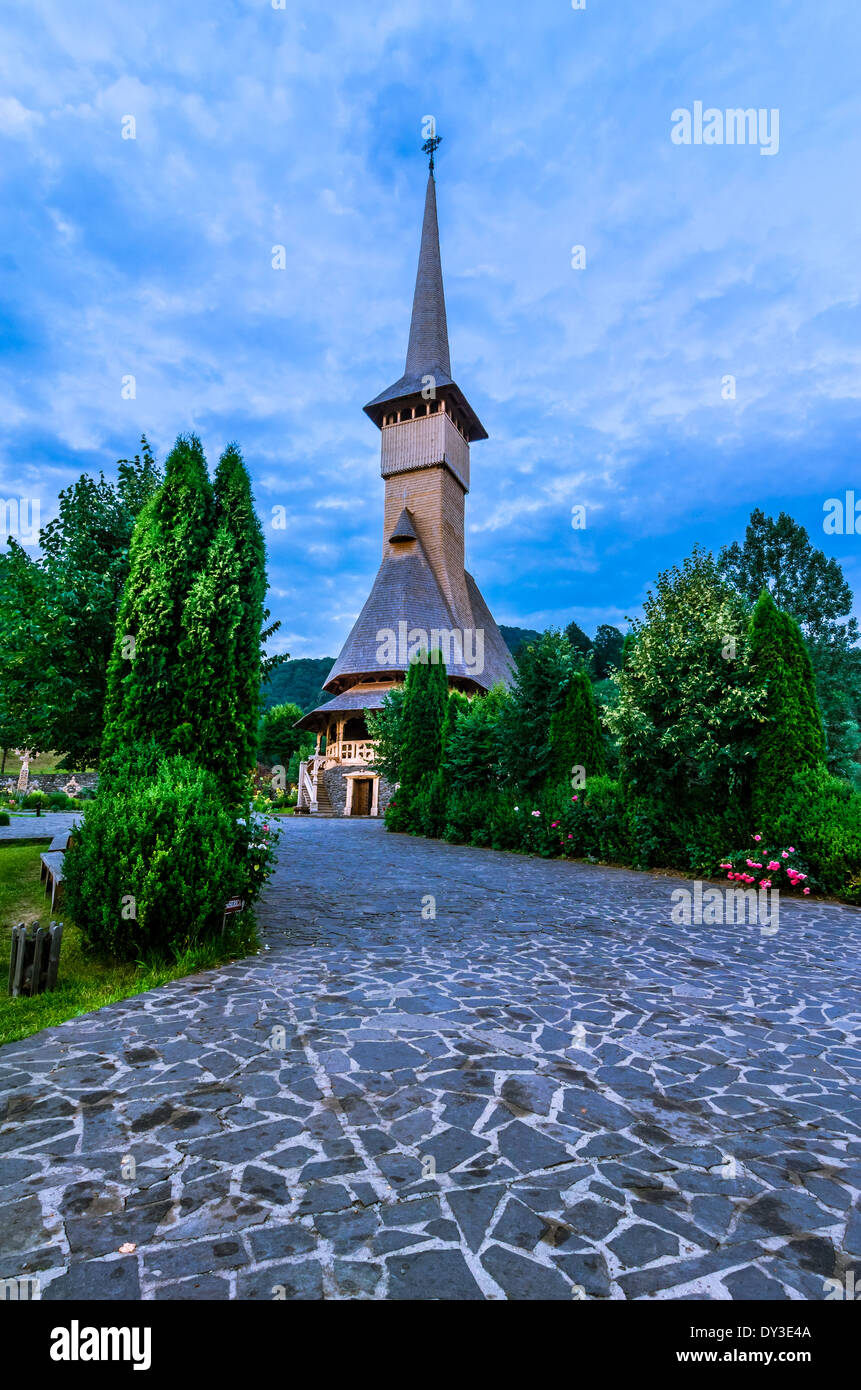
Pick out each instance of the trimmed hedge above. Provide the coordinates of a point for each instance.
(821, 816)
(155, 859)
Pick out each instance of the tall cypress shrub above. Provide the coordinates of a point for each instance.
(425, 701)
(145, 688)
(575, 733)
(214, 710)
(420, 739)
(543, 674)
(790, 738)
(457, 704)
(234, 509)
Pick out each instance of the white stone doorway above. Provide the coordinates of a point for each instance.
(363, 794)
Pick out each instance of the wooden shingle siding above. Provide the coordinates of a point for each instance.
(423, 443)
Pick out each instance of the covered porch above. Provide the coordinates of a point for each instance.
(344, 747)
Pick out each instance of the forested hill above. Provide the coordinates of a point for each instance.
(515, 637)
(299, 682)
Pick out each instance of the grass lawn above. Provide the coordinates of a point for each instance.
(86, 981)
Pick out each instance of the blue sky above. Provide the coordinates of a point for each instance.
(301, 127)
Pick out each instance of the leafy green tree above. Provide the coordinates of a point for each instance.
(69, 599)
(543, 672)
(790, 737)
(804, 582)
(811, 588)
(606, 651)
(299, 755)
(837, 671)
(685, 716)
(147, 695)
(384, 728)
(26, 670)
(277, 738)
(575, 733)
(580, 643)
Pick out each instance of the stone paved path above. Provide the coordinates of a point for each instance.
(544, 1091)
(46, 826)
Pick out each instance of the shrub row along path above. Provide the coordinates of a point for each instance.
(546, 1091)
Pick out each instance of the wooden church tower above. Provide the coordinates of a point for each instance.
(422, 597)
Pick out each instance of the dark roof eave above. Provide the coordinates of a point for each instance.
(408, 387)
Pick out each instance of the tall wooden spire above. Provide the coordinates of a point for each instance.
(428, 353)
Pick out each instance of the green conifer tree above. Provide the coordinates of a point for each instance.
(457, 704)
(575, 733)
(213, 710)
(790, 739)
(425, 702)
(145, 689)
(543, 674)
(234, 508)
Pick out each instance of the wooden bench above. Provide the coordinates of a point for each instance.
(60, 843)
(52, 873)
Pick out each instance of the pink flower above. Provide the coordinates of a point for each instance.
(752, 864)
(536, 813)
(575, 798)
(757, 837)
(765, 883)
(570, 837)
(791, 849)
(785, 854)
(773, 864)
(805, 890)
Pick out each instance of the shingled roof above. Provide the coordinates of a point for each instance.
(404, 530)
(359, 697)
(406, 590)
(428, 351)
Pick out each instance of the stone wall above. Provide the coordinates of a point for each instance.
(336, 786)
(387, 791)
(54, 781)
(333, 778)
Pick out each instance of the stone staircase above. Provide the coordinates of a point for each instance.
(324, 805)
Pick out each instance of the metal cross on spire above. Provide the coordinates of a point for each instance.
(429, 146)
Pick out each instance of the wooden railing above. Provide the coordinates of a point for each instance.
(348, 751)
(306, 792)
(356, 751)
(359, 752)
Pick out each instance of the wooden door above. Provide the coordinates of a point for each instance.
(361, 796)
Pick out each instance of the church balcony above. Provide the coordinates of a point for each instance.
(359, 752)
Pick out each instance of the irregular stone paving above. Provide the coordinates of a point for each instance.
(544, 1091)
(43, 827)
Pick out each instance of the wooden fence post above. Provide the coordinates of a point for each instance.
(56, 933)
